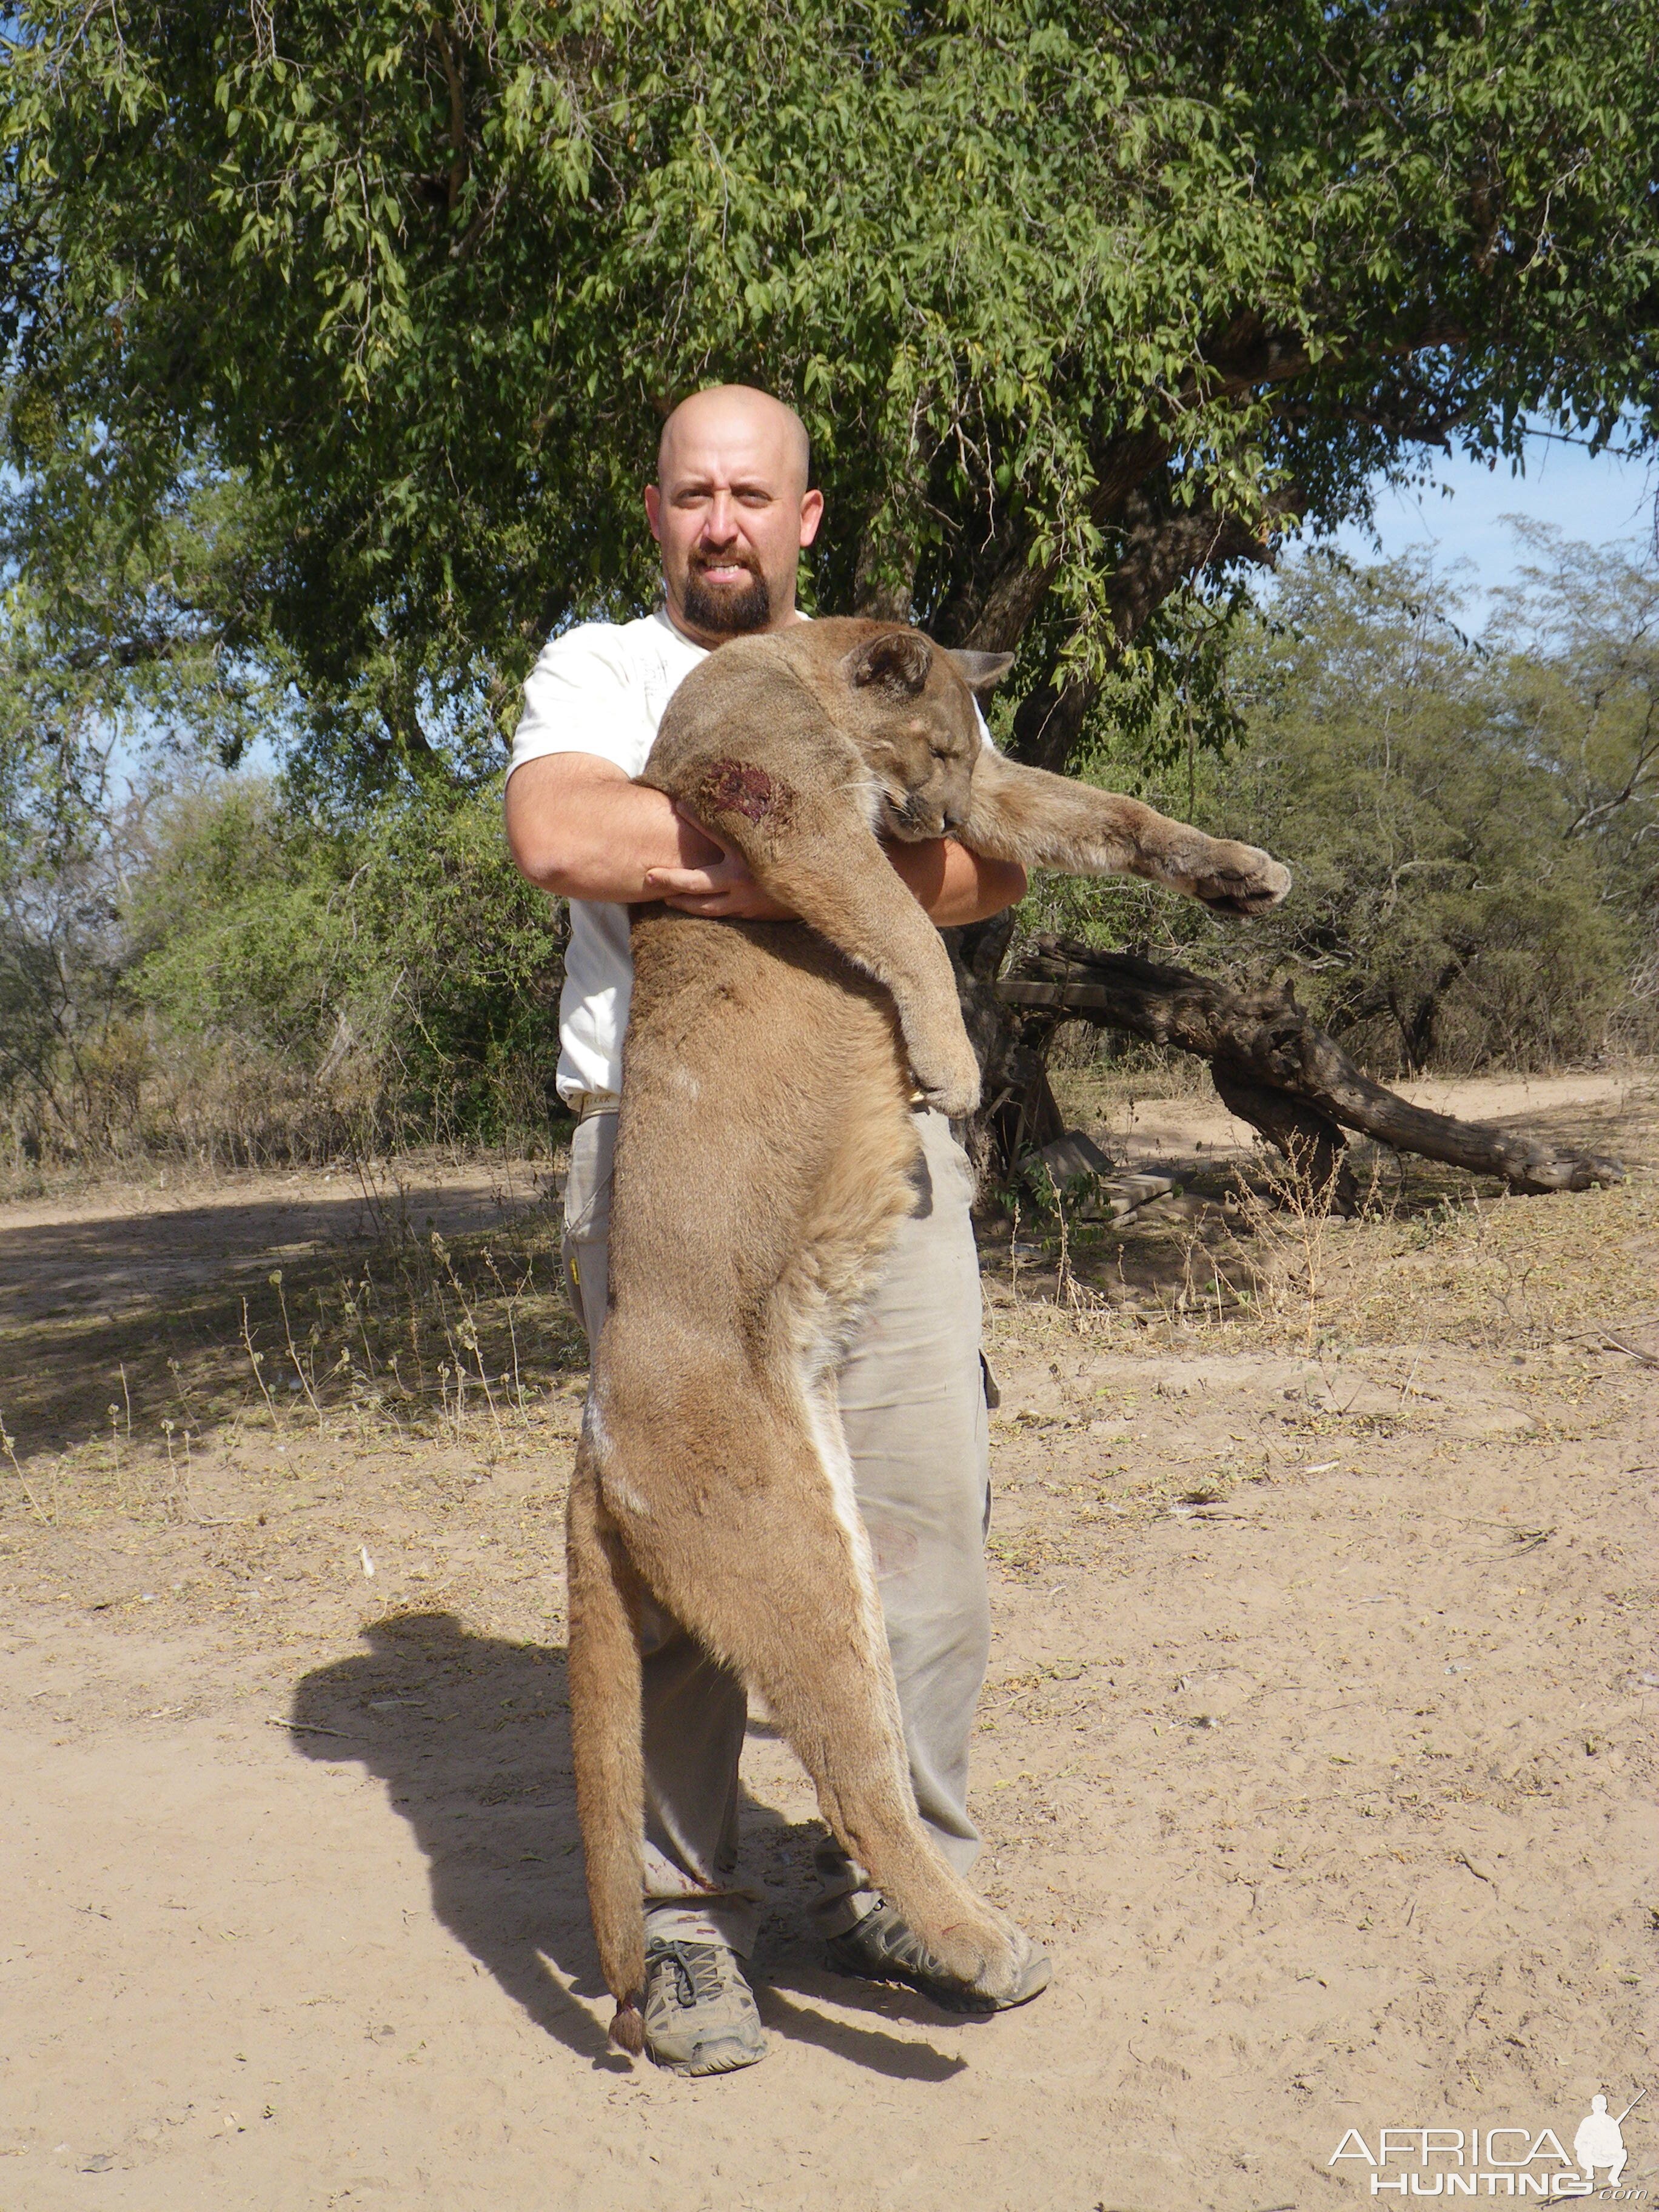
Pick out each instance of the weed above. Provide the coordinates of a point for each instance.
(8, 1445)
(255, 1361)
(1288, 1222)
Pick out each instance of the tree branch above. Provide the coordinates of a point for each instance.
(1263, 1043)
(1244, 357)
(1159, 553)
(135, 652)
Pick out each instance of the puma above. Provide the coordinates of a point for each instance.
(765, 1152)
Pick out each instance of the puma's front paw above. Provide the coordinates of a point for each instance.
(948, 1079)
(1239, 879)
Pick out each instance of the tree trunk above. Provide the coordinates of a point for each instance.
(1313, 1144)
(1272, 1066)
(1017, 1110)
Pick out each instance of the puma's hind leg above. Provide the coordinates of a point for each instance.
(606, 1740)
(757, 1551)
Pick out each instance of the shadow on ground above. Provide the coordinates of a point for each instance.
(154, 1312)
(470, 1736)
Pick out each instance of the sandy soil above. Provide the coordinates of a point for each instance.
(1318, 1746)
(114, 1247)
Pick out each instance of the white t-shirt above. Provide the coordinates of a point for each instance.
(599, 689)
(602, 688)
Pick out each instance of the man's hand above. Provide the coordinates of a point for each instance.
(720, 889)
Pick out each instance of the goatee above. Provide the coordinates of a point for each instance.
(727, 610)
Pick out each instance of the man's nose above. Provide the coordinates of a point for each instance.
(719, 524)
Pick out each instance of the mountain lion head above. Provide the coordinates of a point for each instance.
(910, 710)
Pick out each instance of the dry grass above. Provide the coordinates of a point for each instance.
(1250, 1255)
(458, 1349)
(1087, 1085)
(455, 1354)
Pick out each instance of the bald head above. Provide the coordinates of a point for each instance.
(732, 511)
(736, 417)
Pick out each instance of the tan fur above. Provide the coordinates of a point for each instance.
(764, 1157)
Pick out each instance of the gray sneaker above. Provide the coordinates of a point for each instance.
(699, 2017)
(882, 1948)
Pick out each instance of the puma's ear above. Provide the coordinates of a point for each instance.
(897, 660)
(980, 671)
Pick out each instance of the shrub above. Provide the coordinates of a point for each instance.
(307, 988)
(1448, 907)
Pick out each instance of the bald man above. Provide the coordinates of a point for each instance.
(732, 510)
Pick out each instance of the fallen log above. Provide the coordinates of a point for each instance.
(1278, 1071)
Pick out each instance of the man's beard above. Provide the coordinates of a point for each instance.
(727, 610)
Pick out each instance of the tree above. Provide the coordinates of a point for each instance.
(1451, 907)
(1081, 308)
(1581, 634)
(1459, 900)
(310, 988)
(115, 643)
(1077, 307)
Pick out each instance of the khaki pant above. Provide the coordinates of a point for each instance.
(913, 1406)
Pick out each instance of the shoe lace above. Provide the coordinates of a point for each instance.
(697, 1972)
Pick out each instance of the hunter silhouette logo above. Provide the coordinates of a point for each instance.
(1498, 2161)
(1600, 2140)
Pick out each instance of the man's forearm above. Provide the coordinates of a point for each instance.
(582, 830)
(953, 885)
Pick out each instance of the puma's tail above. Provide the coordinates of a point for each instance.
(606, 1734)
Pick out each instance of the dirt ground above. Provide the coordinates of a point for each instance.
(1317, 1746)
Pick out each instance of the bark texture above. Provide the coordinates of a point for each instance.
(1018, 1109)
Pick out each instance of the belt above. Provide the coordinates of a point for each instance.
(585, 1103)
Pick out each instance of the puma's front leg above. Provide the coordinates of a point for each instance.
(850, 896)
(817, 857)
(1047, 821)
(1227, 877)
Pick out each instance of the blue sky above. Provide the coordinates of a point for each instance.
(1457, 518)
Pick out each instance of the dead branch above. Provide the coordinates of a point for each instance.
(1278, 1071)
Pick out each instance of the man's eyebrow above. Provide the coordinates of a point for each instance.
(698, 483)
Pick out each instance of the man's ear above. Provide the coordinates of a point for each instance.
(897, 661)
(980, 671)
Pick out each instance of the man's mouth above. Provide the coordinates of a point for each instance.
(723, 572)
